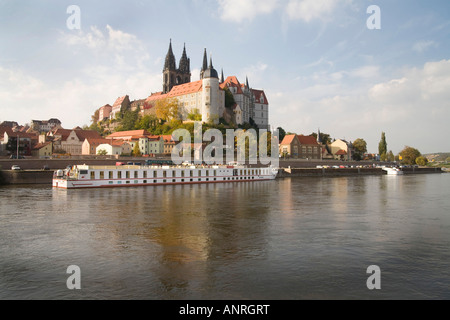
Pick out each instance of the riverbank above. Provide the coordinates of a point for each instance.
(10, 177)
(332, 172)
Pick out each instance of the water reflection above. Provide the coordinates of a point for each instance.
(285, 239)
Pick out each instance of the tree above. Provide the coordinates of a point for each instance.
(324, 137)
(167, 108)
(102, 152)
(390, 156)
(229, 98)
(137, 150)
(128, 120)
(195, 115)
(282, 133)
(360, 147)
(382, 147)
(421, 161)
(95, 117)
(409, 155)
(147, 122)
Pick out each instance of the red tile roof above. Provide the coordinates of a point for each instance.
(288, 139)
(128, 134)
(119, 101)
(187, 88)
(232, 81)
(258, 95)
(307, 140)
(341, 153)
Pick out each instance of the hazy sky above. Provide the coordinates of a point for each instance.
(317, 60)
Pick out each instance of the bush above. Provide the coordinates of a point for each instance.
(421, 161)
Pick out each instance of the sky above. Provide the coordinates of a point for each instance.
(321, 63)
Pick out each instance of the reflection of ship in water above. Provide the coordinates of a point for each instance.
(182, 227)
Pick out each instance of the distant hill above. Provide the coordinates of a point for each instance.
(440, 156)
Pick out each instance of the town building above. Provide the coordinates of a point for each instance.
(89, 146)
(342, 150)
(45, 125)
(71, 141)
(300, 147)
(42, 150)
(148, 144)
(18, 141)
(104, 112)
(120, 105)
(115, 148)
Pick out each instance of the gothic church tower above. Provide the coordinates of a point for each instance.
(173, 76)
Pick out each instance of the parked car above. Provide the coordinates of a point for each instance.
(15, 168)
(15, 157)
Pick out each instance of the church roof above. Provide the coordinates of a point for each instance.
(232, 81)
(258, 95)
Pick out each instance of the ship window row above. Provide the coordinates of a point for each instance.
(122, 174)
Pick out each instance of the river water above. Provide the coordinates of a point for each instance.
(290, 239)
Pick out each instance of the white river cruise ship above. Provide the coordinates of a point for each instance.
(85, 176)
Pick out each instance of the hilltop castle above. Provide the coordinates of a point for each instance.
(205, 96)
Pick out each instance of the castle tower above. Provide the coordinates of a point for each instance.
(211, 95)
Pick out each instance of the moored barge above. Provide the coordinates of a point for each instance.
(85, 176)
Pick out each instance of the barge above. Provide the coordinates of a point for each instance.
(85, 176)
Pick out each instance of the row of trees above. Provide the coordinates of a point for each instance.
(408, 156)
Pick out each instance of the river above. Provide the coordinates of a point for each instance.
(290, 239)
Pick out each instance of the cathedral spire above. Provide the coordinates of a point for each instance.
(170, 63)
(184, 62)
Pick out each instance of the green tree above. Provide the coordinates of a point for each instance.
(324, 137)
(360, 147)
(390, 156)
(282, 133)
(147, 122)
(102, 152)
(421, 161)
(195, 115)
(409, 155)
(382, 147)
(129, 120)
(229, 98)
